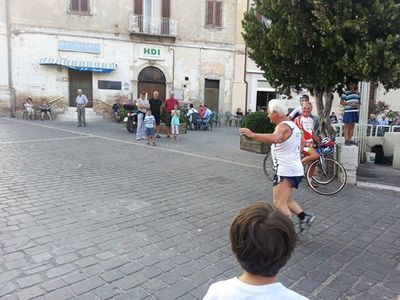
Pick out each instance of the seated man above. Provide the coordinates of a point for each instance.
(116, 107)
(190, 112)
(305, 122)
(45, 109)
(238, 116)
(189, 116)
(30, 111)
(206, 116)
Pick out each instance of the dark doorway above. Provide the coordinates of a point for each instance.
(211, 94)
(80, 80)
(263, 99)
(151, 79)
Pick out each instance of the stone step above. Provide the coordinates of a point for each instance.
(71, 115)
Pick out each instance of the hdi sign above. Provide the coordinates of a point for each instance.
(151, 52)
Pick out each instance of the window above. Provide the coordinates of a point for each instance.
(109, 85)
(214, 13)
(79, 6)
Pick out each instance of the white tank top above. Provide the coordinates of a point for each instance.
(286, 155)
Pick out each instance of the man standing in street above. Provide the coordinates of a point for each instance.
(169, 106)
(81, 102)
(156, 110)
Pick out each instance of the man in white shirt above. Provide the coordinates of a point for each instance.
(81, 102)
(191, 111)
(286, 141)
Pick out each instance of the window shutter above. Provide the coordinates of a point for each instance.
(138, 7)
(209, 13)
(74, 5)
(166, 8)
(218, 14)
(84, 5)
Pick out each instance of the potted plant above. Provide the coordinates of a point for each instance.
(257, 122)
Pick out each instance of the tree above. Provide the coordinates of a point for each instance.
(318, 44)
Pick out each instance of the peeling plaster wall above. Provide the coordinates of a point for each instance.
(4, 90)
(50, 81)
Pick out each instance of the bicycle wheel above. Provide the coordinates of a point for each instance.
(329, 176)
(269, 167)
(325, 173)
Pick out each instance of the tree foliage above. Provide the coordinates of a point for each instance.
(318, 44)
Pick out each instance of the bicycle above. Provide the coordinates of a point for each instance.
(329, 175)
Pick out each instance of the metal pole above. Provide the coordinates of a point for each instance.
(362, 132)
(9, 56)
(173, 66)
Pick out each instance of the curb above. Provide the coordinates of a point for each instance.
(378, 186)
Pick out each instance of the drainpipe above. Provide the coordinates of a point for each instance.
(10, 81)
(173, 66)
(245, 69)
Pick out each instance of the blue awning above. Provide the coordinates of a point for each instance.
(80, 65)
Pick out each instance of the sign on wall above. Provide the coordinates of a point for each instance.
(151, 52)
(79, 47)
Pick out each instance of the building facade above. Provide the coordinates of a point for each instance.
(117, 49)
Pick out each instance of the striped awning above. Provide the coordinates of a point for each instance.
(80, 65)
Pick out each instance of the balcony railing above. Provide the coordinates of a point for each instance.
(152, 26)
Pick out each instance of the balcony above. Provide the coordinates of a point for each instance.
(165, 27)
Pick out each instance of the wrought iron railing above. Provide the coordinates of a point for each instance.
(152, 26)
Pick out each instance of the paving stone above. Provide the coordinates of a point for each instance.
(54, 284)
(58, 271)
(113, 263)
(60, 294)
(111, 275)
(30, 293)
(67, 258)
(175, 291)
(130, 268)
(87, 285)
(29, 281)
(106, 292)
(130, 281)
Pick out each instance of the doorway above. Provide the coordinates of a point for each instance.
(211, 94)
(263, 98)
(151, 79)
(80, 80)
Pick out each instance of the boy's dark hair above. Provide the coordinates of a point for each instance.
(191, 105)
(351, 80)
(262, 239)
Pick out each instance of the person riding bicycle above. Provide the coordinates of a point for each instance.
(306, 124)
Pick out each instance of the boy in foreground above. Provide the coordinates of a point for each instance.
(262, 239)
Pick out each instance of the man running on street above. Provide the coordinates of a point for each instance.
(286, 143)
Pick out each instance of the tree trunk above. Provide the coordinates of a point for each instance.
(323, 101)
(318, 95)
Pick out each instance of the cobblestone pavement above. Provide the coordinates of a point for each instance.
(89, 213)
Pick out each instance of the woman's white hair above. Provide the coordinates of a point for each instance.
(278, 106)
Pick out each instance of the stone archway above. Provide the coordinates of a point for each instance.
(151, 79)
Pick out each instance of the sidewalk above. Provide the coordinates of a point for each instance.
(378, 176)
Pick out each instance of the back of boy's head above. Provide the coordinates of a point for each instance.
(263, 239)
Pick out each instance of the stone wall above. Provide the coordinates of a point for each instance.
(348, 157)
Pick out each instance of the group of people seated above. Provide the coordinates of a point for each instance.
(198, 118)
(29, 110)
